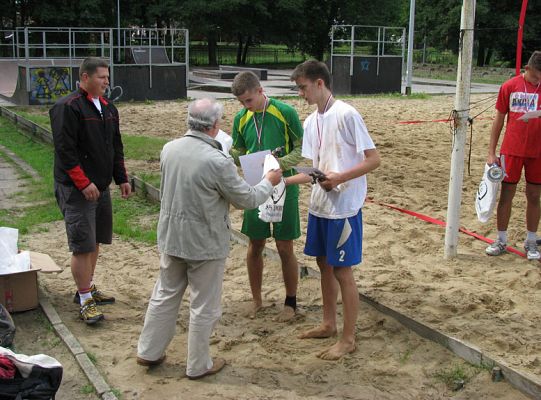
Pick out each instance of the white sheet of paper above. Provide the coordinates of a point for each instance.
(530, 115)
(252, 166)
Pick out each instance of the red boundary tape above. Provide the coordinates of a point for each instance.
(436, 221)
(433, 120)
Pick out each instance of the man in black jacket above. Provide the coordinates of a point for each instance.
(88, 155)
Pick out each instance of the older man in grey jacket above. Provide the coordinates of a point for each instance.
(198, 183)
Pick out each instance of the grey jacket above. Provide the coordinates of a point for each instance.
(198, 183)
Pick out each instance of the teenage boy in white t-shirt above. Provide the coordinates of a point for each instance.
(338, 143)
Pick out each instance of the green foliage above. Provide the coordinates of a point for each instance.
(135, 218)
(87, 389)
(404, 357)
(92, 357)
(142, 147)
(34, 116)
(457, 373)
(128, 220)
(40, 158)
(150, 178)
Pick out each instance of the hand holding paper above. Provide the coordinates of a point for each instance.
(530, 115)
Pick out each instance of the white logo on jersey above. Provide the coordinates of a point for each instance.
(521, 102)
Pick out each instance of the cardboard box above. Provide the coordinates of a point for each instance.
(19, 291)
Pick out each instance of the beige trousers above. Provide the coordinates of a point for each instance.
(205, 281)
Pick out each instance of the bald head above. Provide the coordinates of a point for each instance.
(203, 114)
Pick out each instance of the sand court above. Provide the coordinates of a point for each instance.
(492, 302)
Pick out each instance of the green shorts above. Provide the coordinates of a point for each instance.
(288, 229)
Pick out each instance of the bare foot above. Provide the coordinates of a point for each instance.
(287, 314)
(320, 332)
(337, 351)
(252, 310)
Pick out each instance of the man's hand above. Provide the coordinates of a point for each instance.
(274, 176)
(125, 190)
(91, 192)
(493, 159)
(332, 180)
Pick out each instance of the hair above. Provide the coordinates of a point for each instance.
(312, 70)
(535, 60)
(91, 64)
(244, 81)
(203, 114)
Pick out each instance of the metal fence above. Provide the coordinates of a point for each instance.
(227, 55)
(73, 44)
(366, 40)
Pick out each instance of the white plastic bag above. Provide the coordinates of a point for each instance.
(271, 210)
(486, 197)
(11, 260)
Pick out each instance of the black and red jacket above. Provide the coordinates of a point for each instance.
(87, 144)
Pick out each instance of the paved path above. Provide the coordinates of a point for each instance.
(279, 84)
(10, 181)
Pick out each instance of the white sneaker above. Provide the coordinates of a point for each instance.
(496, 248)
(532, 252)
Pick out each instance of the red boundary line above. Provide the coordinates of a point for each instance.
(436, 221)
(434, 120)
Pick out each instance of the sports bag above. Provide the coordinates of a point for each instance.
(37, 377)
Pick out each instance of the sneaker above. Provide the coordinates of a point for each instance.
(90, 313)
(532, 252)
(99, 297)
(496, 248)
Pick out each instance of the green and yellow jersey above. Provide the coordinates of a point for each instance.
(280, 127)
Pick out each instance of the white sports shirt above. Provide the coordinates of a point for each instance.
(225, 140)
(344, 138)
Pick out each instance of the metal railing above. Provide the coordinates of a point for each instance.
(72, 44)
(366, 40)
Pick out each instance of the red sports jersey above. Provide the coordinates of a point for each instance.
(517, 96)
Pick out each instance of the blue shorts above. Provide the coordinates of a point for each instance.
(340, 240)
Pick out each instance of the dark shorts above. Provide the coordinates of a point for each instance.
(288, 229)
(87, 222)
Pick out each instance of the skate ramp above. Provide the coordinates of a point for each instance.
(147, 55)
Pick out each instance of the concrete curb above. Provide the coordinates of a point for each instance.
(102, 388)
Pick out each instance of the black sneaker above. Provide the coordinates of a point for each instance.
(99, 297)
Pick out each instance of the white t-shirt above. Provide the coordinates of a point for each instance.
(344, 139)
(225, 140)
(97, 103)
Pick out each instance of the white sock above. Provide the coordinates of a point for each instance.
(531, 236)
(502, 236)
(84, 297)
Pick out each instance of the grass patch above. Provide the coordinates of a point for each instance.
(117, 393)
(135, 218)
(153, 179)
(38, 118)
(457, 373)
(143, 147)
(404, 357)
(87, 389)
(39, 157)
(92, 357)
(43, 321)
(397, 96)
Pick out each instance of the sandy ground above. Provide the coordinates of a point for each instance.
(265, 359)
(490, 302)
